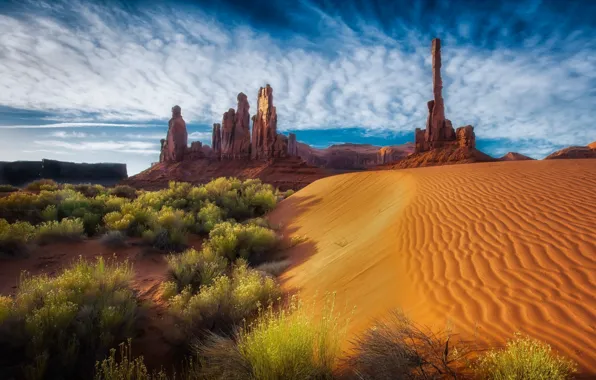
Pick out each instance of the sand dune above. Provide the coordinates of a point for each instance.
(489, 248)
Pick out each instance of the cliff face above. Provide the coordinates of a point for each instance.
(22, 172)
(588, 151)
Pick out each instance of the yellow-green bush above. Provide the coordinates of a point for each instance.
(194, 268)
(66, 229)
(247, 241)
(289, 344)
(123, 191)
(56, 326)
(89, 190)
(524, 358)
(127, 368)
(209, 216)
(8, 188)
(42, 184)
(15, 237)
(49, 213)
(227, 301)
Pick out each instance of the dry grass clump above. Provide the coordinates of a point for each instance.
(397, 348)
(68, 229)
(194, 268)
(524, 358)
(55, 327)
(126, 368)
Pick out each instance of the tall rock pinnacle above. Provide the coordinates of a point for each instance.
(264, 128)
(216, 140)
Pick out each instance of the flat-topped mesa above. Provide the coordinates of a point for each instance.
(265, 144)
(216, 140)
(175, 145)
(439, 132)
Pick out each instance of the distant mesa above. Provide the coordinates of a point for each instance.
(514, 156)
(588, 151)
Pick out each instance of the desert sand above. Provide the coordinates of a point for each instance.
(487, 249)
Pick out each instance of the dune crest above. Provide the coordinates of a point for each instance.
(492, 248)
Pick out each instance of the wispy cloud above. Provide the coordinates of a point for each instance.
(77, 125)
(139, 147)
(73, 134)
(360, 70)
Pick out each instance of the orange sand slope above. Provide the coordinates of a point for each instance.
(489, 248)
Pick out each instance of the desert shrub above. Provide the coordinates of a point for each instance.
(246, 241)
(399, 348)
(194, 268)
(524, 358)
(15, 237)
(123, 191)
(209, 216)
(111, 203)
(274, 268)
(91, 223)
(89, 190)
(8, 188)
(49, 213)
(113, 239)
(66, 229)
(127, 368)
(166, 240)
(20, 206)
(115, 221)
(56, 327)
(289, 344)
(289, 193)
(42, 184)
(227, 301)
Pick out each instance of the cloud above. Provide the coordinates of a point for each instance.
(60, 152)
(65, 134)
(359, 70)
(77, 125)
(138, 147)
(203, 136)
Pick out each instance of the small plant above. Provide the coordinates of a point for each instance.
(8, 188)
(42, 184)
(289, 193)
(297, 239)
(113, 239)
(66, 229)
(126, 368)
(524, 358)
(49, 213)
(248, 241)
(209, 216)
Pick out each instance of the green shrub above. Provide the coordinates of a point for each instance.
(91, 223)
(56, 327)
(524, 358)
(209, 216)
(89, 190)
(66, 229)
(42, 184)
(289, 193)
(290, 344)
(15, 237)
(166, 240)
(196, 268)
(227, 301)
(8, 188)
(49, 213)
(123, 191)
(20, 206)
(247, 241)
(115, 221)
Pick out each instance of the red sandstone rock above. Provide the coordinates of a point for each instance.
(196, 151)
(264, 129)
(573, 152)
(216, 140)
(439, 132)
(353, 156)
(227, 133)
(292, 145)
(514, 156)
(592, 145)
(241, 145)
(174, 148)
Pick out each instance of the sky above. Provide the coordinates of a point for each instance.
(94, 81)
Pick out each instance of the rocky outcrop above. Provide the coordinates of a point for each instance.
(514, 156)
(197, 151)
(439, 132)
(175, 145)
(588, 151)
(216, 140)
(235, 133)
(264, 127)
(22, 172)
(227, 133)
(292, 145)
(353, 156)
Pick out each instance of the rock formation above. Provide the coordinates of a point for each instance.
(235, 132)
(439, 131)
(588, 151)
(175, 146)
(216, 140)
(227, 133)
(514, 156)
(292, 145)
(197, 151)
(264, 129)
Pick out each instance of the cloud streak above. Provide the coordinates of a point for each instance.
(357, 70)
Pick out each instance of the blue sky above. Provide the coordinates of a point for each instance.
(94, 81)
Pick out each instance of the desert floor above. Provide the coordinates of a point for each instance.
(486, 249)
